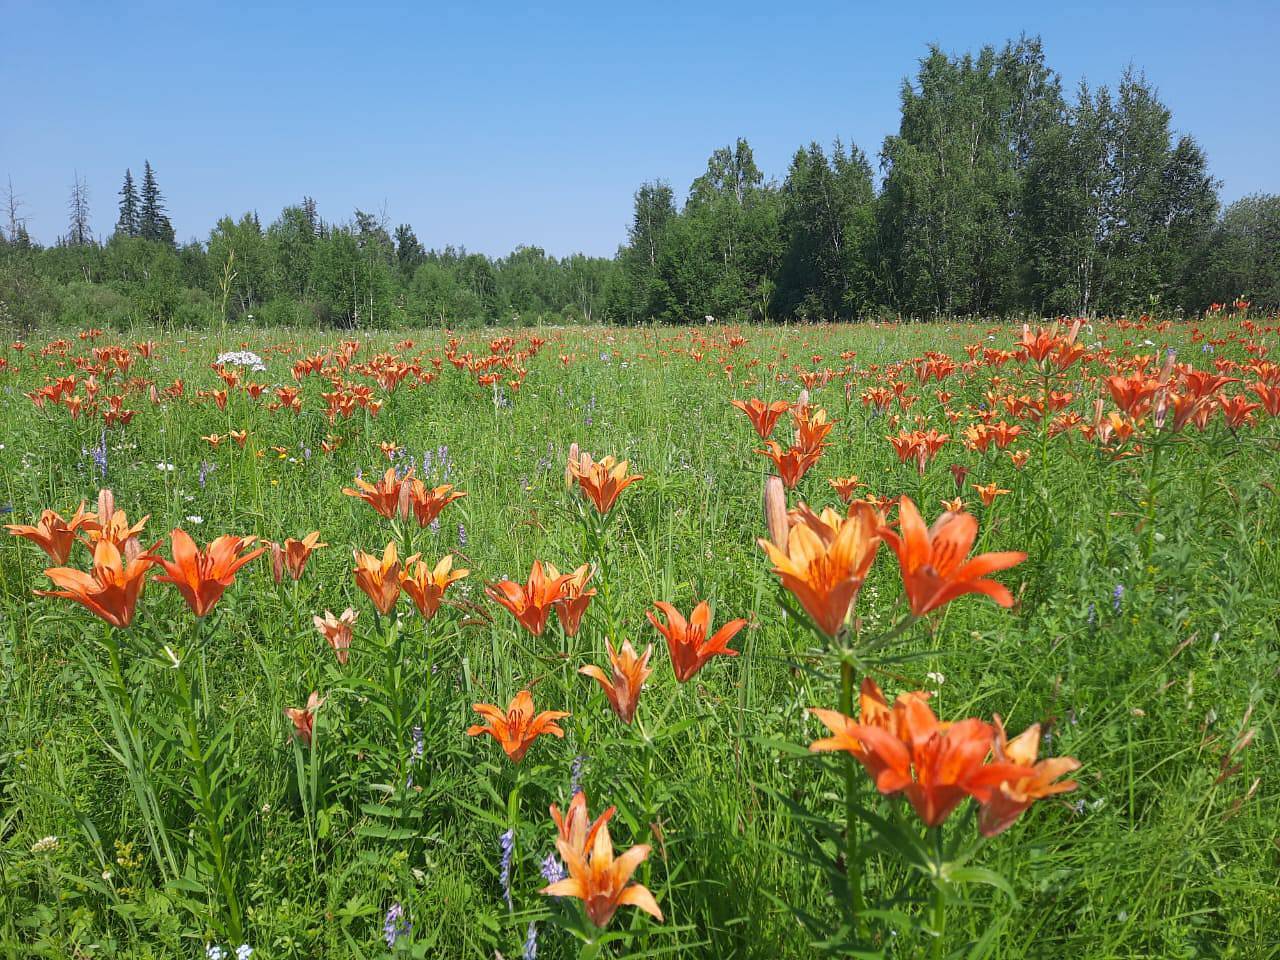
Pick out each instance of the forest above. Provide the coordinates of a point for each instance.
(1001, 194)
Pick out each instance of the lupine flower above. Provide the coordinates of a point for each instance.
(601, 881)
(462, 534)
(517, 728)
(380, 579)
(111, 589)
(530, 604)
(52, 534)
(1011, 797)
(687, 641)
(933, 559)
(337, 631)
(304, 718)
(202, 576)
(629, 673)
(826, 559)
(426, 586)
(531, 943)
(507, 844)
(1117, 597)
(552, 869)
(385, 495)
(763, 417)
(395, 925)
(574, 598)
(602, 481)
(575, 773)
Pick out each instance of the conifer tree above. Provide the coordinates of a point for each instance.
(153, 223)
(129, 223)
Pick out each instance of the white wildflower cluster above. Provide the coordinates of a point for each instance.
(242, 358)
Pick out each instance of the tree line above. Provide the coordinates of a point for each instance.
(1000, 194)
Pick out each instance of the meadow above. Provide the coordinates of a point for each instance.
(250, 782)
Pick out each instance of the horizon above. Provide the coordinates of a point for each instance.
(506, 161)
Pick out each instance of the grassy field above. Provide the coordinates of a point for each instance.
(158, 801)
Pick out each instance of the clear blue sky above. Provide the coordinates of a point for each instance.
(491, 125)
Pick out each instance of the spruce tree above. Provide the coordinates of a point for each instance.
(129, 223)
(153, 224)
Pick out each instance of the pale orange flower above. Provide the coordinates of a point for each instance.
(52, 534)
(517, 728)
(623, 686)
(304, 718)
(293, 555)
(826, 560)
(687, 640)
(575, 827)
(1009, 798)
(845, 487)
(426, 585)
(108, 523)
(530, 604)
(111, 589)
(202, 576)
(989, 492)
(574, 598)
(337, 631)
(603, 480)
(380, 578)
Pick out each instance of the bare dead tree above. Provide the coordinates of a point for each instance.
(78, 233)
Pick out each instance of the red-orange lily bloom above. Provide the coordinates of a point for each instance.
(304, 718)
(623, 686)
(826, 560)
(52, 534)
(602, 881)
(687, 640)
(575, 827)
(202, 576)
(380, 578)
(792, 463)
(530, 603)
(933, 559)
(517, 728)
(763, 416)
(1009, 798)
(426, 585)
(602, 481)
(427, 502)
(574, 598)
(111, 589)
(293, 555)
(108, 523)
(383, 496)
(337, 631)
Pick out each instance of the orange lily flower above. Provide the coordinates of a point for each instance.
(304, 718)
(873, 711)
(812, 427)
(602, 481)
(826, 560)
(574, 598)
(383, 496)
(337, 631)
(792, 464)
(380, 578)
(516, 729)
(111, 524)
(989, 492)
(239, 436)
(202, 576)
(427, 502)
(530, 604)
(687, 641)
(575, 827)
(52, 534)
(629, 674)
(845, 487)
(933, 564)
(293, 556)
(1011, 797)
(763, 417)
(601, 881)
(111, 589)
(426, 586)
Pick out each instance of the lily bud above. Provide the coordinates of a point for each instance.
(775, 511)
(277, 561)
(106, 505)
(405, 503)
(569, 465)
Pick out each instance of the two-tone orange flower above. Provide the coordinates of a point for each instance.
(337, 632)
(530, 603)
(293, 555)
(108, 523)
(602, 481)
(53, 534)
(427, 502)
(380, 578)
(202, 576)
(792, 464)
(517, 728)
(687, 640)
(845, 487)
(574, 598)
(110, 590)
(826, 560)
(933, 559)
(304, 718)
(385, 495)
(988, 492)
(763, 416)
(575, 827)
(623, 685)
(426, 585)
(596, 877)
(1010, 797)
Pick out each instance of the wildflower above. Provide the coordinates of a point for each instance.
(989, 492)
(462, 534)
(628, 677)
(575, 774)
(244, 952)
(519, 727)
(574, 598)
(845, 487)
(337, 631)
(304, 718)
(530, 943)
(1117, 597)
(1009, 798)
(427, 502)
(933, 564)
(763, 416)
(293, 555)
(602, 481)
(380, 579)
(776, 520)
(601, 881)
(214, 952)
(45, 845)
(552, 869)
(111, 589)
(826, 559)
(687, 641)
(203, 576)
(792, 464)
(530, 603)
(507, 844)
(395, 925)
(426, 585)
(385, 495)
(52, 534)
(108, 523)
